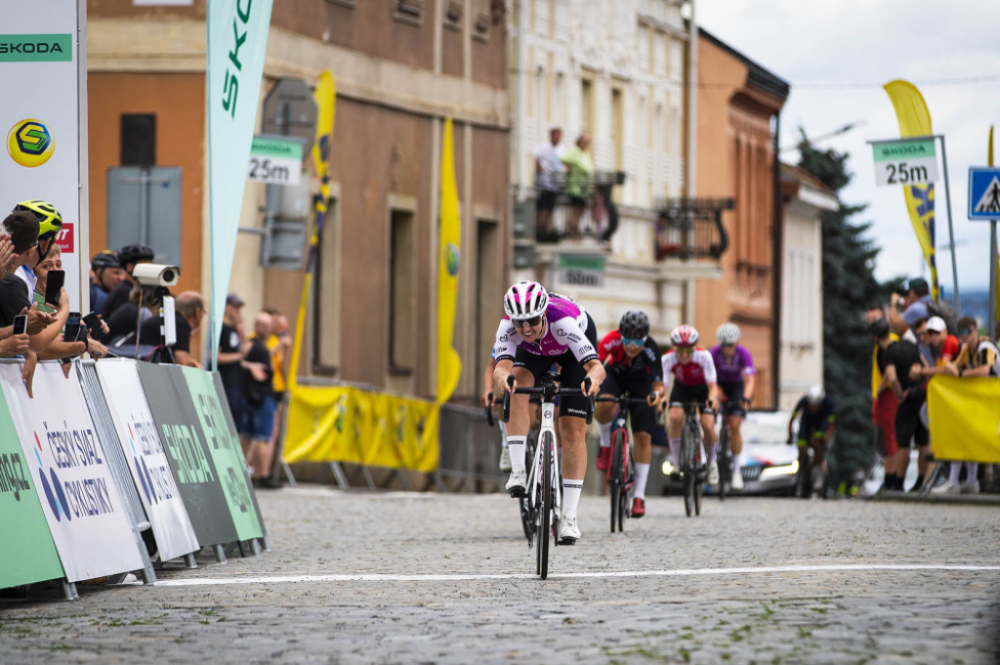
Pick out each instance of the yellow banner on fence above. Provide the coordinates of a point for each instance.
(346, 424)
(965, 418)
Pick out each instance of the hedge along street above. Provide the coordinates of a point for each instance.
(190, 461)
(222, 446)
(85, 514)
(22, 522)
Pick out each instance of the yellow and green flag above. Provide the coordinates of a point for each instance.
(915, 120)
(325, 95)
(449, 365)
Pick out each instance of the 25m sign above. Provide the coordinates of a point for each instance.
(905, 162)
(275, 160)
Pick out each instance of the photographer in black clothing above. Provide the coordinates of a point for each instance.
(900, 358)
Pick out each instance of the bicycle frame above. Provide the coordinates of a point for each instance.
(546, 424)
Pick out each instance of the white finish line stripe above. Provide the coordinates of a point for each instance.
(291, 579)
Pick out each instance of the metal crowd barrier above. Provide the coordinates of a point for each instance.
(469, 451)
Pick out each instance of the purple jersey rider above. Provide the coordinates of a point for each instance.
(731, 373)
(566, 330)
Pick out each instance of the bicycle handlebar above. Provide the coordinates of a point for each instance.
(623, 400)
(557, 390)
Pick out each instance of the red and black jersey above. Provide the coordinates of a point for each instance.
(646, 365)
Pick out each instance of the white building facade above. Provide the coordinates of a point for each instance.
(615, 69)
(806, 198)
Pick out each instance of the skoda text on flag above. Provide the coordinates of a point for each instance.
(40, 158)
(140, 441)
(22, 522)
(237, 43)
(79, 498)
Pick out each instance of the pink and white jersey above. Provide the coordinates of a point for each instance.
(565, 330)
(698, 372)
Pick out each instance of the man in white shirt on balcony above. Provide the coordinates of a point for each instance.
(549, 181)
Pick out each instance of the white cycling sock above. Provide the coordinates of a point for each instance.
(971, 471)
(710, 450)
(571, 496)
(515, 445)
(641, 476)
(605, 430)
(956, 468)
(675, 452)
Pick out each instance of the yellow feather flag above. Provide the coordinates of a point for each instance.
(996, 257)
(325, 95)
(915, 120)
(449, 365)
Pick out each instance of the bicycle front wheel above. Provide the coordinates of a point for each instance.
(723, 460)
(615, 476)
(527, 518)
(689, 471)
(545, 507)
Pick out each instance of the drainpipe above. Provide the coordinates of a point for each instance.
(522, 97)
(778, 248)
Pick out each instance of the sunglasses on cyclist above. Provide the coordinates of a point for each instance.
(531, 323)
(633, 341)
(964, 332)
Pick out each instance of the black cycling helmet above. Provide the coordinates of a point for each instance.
(878, 328)
(105, 259)
(634, 324)
(134, 254)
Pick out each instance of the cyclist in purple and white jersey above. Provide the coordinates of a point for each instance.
(541, 329)
(734, 368)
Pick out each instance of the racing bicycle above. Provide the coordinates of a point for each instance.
(724, 456)
(543, 488)
(693, 467)
(621, 471)
(529, 454)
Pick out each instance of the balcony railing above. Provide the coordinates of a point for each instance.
(599, 218)
(691, 228)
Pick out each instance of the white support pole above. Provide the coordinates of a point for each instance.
(951, 229)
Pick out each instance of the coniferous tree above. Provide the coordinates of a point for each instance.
(849, 285)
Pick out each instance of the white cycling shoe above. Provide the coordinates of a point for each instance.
(713, 474)
(569, 532)
(737, 479)
(516, 484)
(505, 459)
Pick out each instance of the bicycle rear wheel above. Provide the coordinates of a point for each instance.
(723, 460)
(545, 507)
(527, 518)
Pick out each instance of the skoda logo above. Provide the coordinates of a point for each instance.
(30, 143)
(451, 258)
(54, 491)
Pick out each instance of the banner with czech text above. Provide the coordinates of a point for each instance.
(22, 522)
(147, 461)
(81, 503)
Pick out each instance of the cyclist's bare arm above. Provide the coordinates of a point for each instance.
(713, 395)
(488, 381)
(500, 374)
(657, 394)
(596, 374)
(749, 383)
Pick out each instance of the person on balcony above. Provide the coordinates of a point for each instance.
(549, 178)
(579, 182)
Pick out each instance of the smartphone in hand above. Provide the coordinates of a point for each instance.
(93, 321)
(20, 324)
(53, 287)
(72, 330)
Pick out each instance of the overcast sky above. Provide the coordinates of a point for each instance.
(867, 43)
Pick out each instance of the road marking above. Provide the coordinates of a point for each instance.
(846, 568)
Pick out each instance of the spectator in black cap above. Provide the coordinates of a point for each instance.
(128, 257)
(105, 275)
(909, 304)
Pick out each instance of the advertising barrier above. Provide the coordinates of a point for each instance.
(224, 448)
(964, 418)
(147, 462)
(22, 523)
(41, 156)
(81, 503)
(348, 424)
(190, 462)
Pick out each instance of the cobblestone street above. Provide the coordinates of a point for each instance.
(412, 588)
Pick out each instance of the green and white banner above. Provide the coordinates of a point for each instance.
(44, 153)
(237, 43)
(905, 162)
(27, 553)
(275, 160)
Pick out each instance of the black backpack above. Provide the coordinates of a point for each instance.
(944, 309)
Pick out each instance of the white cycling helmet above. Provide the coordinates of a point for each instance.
(684, 336)
(815, 394)
(525, 300)
(728, 333)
